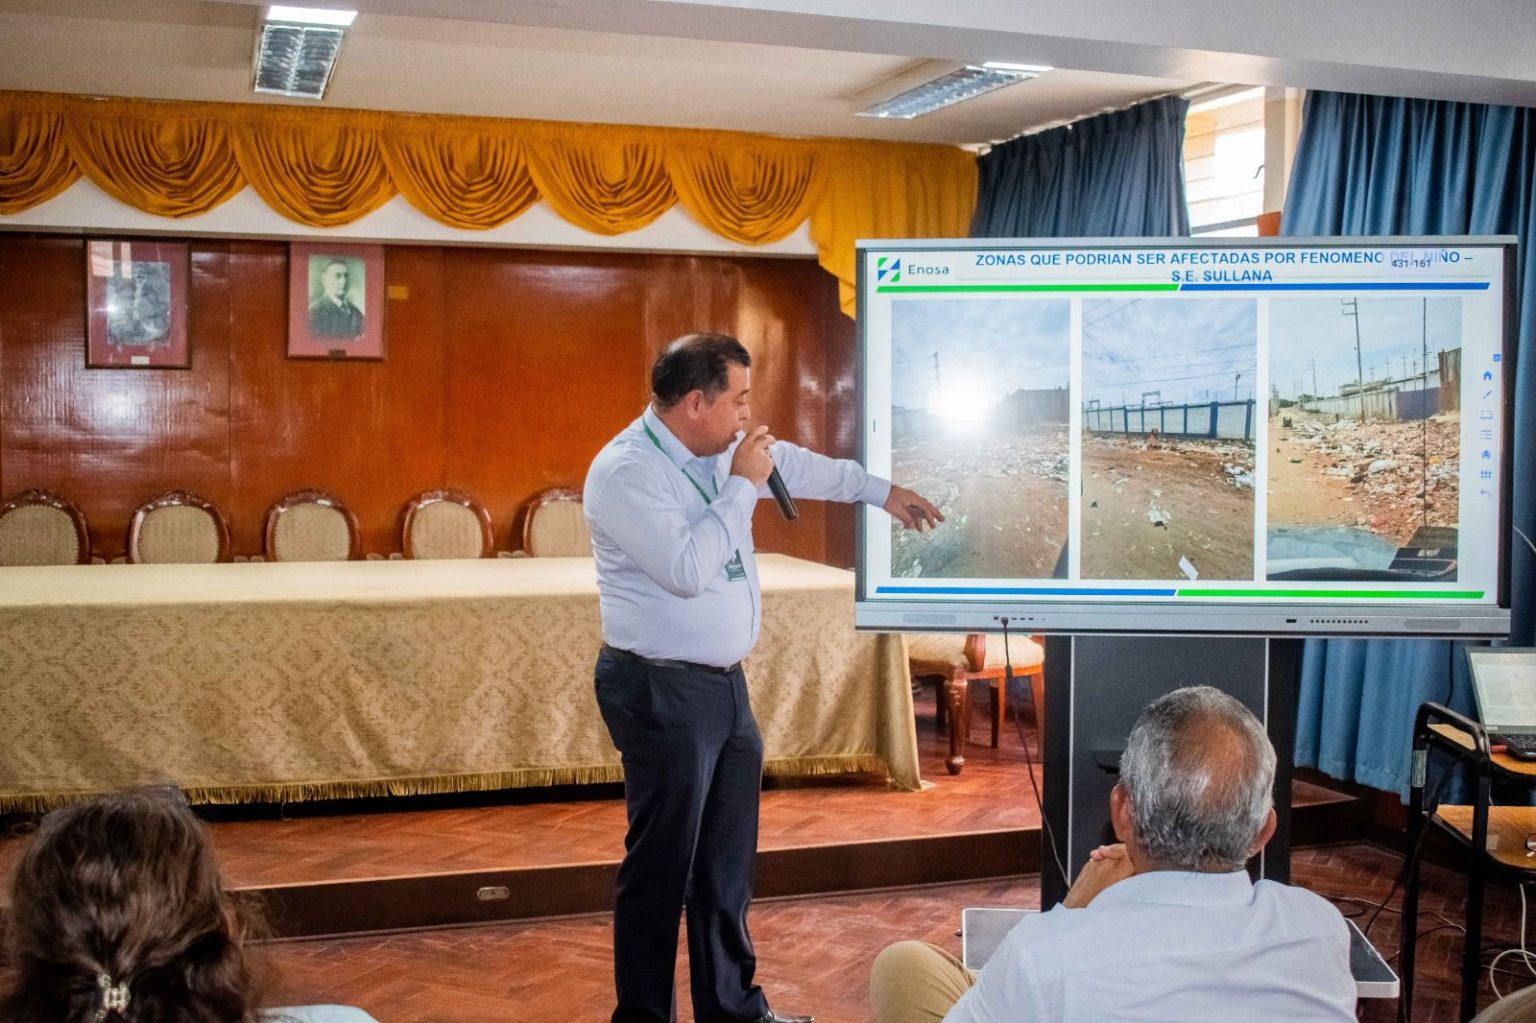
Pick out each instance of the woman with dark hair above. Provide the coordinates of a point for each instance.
(118, 914)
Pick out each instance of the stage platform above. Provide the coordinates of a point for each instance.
(359, 866)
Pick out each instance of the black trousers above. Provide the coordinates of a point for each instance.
(693, 767)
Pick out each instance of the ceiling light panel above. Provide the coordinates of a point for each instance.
(963, 83)
(311, 15)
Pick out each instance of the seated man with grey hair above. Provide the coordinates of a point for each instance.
(1166, 926)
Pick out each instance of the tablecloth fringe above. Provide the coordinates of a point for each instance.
(528, 777)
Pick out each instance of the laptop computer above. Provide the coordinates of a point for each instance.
(1504, 688)
(983, 930)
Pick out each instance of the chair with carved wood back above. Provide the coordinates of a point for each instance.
(38, 527)
(178, 528)
(955, 660)
(445, 524)
(312, 525)
(555, 527)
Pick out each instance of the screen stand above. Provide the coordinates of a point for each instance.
(1095, 688)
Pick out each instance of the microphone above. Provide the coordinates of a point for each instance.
(781, 495)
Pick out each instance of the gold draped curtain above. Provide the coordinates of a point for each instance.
(327, 167)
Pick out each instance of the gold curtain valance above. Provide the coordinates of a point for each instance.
(328, 167)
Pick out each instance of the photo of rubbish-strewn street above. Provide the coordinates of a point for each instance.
(1169, 425)
(979, 426)
(1365, 438)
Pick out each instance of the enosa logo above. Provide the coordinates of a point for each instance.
(887, 270)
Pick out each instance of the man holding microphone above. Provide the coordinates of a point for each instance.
(669, 503)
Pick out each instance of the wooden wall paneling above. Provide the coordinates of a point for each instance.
(782, 330)
(505, 372)
(42, 328)
(109, 439)
(682, 297)
(547, 364)
(840, 381)
(369, 431)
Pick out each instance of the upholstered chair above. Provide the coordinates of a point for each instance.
(178, 528)
(955, 660)
(554, 526)
(445, 524)
(312, 525)
(38, 527)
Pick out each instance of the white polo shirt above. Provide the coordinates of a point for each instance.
(1172, 946)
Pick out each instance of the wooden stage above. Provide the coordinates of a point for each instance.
(369, 865)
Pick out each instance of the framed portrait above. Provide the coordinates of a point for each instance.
(136, 305)
(335, 301)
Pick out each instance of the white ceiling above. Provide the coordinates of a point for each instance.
(781, 66)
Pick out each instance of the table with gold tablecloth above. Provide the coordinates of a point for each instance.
(246, 682)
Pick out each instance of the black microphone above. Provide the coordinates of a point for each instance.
(781, 495)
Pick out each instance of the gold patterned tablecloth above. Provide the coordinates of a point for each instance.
(246, 682)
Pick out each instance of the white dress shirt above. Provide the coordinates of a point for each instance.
(662, 549)
(1176, 947)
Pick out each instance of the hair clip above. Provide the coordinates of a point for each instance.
(113, 998)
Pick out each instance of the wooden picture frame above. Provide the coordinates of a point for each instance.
(335, 301)
(136, 304)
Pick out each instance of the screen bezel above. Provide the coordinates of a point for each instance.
(1193, 617)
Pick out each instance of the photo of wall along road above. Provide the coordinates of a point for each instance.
(1169, 424)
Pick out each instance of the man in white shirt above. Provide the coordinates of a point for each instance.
(1166, 926)
(669, 502)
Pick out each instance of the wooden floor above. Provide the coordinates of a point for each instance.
(814, 953)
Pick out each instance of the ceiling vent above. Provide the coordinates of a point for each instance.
(297, 48)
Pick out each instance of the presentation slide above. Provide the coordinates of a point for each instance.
(1130, 435)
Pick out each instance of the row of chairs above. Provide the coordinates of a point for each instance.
(39, 527)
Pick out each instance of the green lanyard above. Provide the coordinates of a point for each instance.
(735, 571)
(707, 499)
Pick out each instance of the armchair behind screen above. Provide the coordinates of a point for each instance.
(955, 660)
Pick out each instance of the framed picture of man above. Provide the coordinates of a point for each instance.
(136, 304)
(335, 301)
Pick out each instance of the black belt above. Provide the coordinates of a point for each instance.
(661, 662)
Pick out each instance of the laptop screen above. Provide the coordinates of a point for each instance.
(1504, 684)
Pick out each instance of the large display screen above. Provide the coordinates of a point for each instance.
(1238, 435)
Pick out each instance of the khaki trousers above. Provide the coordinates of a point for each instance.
(915, 982)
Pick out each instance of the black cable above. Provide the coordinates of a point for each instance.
(1423, 934)
(1450, 672)
(1413, 855)
(1405, 1001)
(1029, 763)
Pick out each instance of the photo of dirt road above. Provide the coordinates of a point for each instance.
(1365, 438)
(1169, 423)
(1149, 509)
(979, 426)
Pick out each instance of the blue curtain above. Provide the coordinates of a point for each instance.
(1374, 165)
(1115, 175)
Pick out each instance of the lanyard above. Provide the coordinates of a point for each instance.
(734, 570)
(707, 499)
